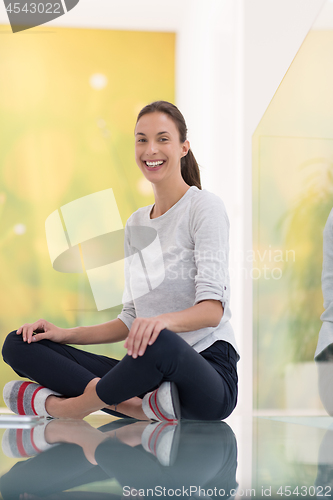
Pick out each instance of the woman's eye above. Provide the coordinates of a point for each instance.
(164, 138)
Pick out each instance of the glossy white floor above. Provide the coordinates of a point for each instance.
(103, 457)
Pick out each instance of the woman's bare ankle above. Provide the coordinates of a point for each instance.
(131, 407)
(76, 407)
(57, 408)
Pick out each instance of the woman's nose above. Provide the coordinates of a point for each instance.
(151, 148)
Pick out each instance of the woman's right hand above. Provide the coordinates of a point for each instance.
(44, 329)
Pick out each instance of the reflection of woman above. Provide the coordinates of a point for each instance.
(206, 457)
(324, 479)
(324, 351)
(178, 336)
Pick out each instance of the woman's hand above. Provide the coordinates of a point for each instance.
(44, 329)
(144, 331)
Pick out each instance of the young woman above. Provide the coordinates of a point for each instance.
(181, 352)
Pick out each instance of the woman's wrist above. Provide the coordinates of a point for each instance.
(168, 319)
(71, 335)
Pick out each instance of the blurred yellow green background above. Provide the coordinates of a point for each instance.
(292, 198)
(69, 99)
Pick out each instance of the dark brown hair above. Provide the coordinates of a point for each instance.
(189, 167)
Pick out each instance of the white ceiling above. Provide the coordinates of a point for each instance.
(143, 15)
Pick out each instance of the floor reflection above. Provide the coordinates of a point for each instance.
(140, 459)
(324, 479)
(293, 456)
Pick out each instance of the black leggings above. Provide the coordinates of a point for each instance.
(206, 382)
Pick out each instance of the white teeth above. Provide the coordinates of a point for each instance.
(153, 163)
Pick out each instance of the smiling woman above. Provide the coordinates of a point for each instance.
(158, 148)
(181, 351)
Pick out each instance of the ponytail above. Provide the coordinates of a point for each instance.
(190, 170)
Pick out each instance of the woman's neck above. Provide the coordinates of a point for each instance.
(165, 199)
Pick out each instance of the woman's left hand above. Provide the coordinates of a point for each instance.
(144, 331)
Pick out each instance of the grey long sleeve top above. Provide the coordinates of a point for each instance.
(193, 236)
(326, 332)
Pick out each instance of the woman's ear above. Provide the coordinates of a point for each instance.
(186, 147)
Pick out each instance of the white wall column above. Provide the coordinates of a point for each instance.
(209, 90)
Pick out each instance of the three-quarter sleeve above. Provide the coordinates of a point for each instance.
(210, 232)
(327, 271)
(128, 313)
(326, 332)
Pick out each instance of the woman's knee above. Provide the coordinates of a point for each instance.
(9, 347)
(167, 343)
(167, 340)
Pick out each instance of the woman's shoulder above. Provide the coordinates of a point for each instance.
(206, 202)
(204, 196)
(137, 216)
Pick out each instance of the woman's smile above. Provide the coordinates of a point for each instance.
(154, 164)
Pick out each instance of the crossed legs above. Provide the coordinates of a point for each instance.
(90, 382)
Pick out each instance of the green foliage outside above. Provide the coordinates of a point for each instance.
(304, 225)
(66, 133)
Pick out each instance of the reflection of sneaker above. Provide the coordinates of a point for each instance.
(162, 439)
(163, 403)
(20, 443)
(27, 398)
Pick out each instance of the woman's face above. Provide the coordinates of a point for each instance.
(158, 149)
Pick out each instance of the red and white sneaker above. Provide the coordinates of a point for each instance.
(22, 443)
(27, 398)
(163, 403)
(162, 440)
